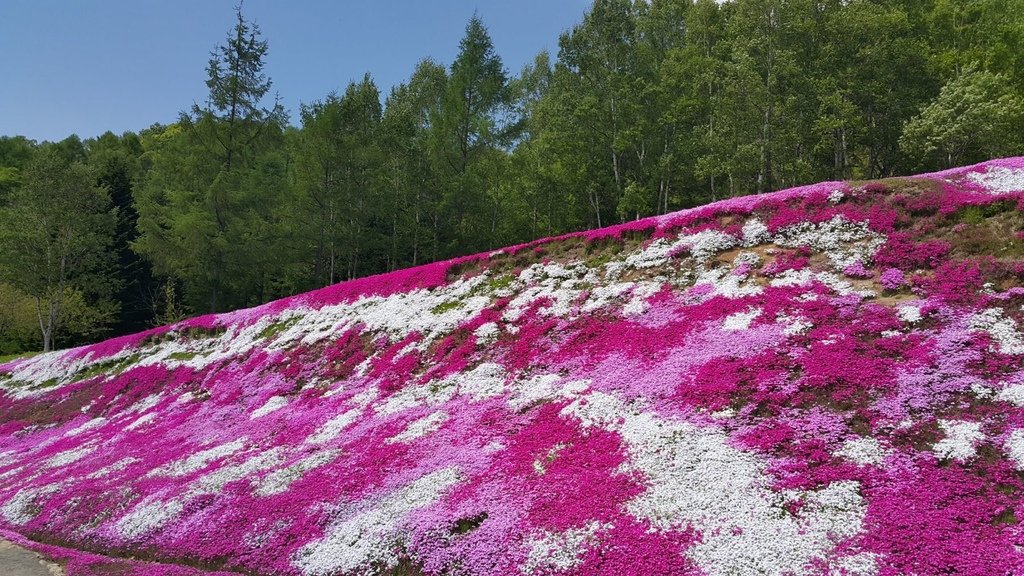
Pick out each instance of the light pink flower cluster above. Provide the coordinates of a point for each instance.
(742, 388)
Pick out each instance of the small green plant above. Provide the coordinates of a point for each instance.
(978, 213)
(108, 368)
(445, 307)
(277, 327)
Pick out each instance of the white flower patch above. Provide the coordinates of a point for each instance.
(602, 296)
(1014, 394)
(843, 241)
(214, 482)
(1015, 447)
(805, 277)
(144, 404)
(420, 428)
(909, 314)
(981, 390)
(835, 196)
(333, 427)
(740, 320)
(147, 516)
(637, 304)
(429, 312)
(365, 398)
(861, 564)
(484, 381)
(40, 371)
(115, 467)
(542, 388)
(372, 536)
(487, 333)
(793, 325)
(755, 232)
(1003, 330)
(960, 441)
(141, 421)
(862, 451)
(415, 395)
(696, 478)
(21, 508)
(559, 551)
(273, 403)
(279, 480)
(198, 460)
(94, 423)
(654, 254)
(69, 456)
(999, 180)
(726, 284)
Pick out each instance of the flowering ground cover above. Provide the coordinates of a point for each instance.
(823, 380)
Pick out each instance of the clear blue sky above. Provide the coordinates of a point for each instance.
(88, 66)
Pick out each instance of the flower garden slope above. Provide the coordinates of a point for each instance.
(823, 380)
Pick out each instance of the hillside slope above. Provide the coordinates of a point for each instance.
(824, 380)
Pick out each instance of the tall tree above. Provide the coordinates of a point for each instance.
(58, 226)
(470, 129)
(215, 189)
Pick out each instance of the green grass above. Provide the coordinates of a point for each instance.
(976, 214)
(183, 355)
(277, 327)
(445, 306)
(9, 357)
(108, 368)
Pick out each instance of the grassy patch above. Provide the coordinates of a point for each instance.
(445, 306)
(107, 368)
(978, 213)
(464, 525)
(182, 356)
(278, 327)
(7, 358)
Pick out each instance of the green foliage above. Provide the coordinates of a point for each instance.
(646, 108)
(53, 246)
(976, 115)
(276, 328)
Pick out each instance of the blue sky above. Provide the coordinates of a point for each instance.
(88, 66)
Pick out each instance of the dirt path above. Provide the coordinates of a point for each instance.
(17, 561)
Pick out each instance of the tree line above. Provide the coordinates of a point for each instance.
(647, 108)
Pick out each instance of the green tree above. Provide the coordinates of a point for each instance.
(976, 116)
(338, 164)
(470, 131)
(58, 226)
(210, 212)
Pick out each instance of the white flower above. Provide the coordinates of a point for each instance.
(1003, 330)
(740, 320)
(862, 451)
(558, 551)
(371, 536)
(421, 427)
(273, 403)
(909, 314)
(695, 477)
(198, 460)
(1015, 447)
(999, 180)
(960, 441)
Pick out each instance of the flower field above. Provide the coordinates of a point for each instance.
(823, 380)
